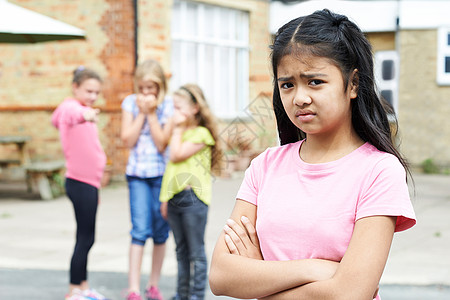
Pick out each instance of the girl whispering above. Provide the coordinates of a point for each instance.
(186, 187)
(315, 217)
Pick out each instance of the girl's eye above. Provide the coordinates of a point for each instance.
(286, 85)
(315, 82)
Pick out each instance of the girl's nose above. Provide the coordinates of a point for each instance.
(301, 98)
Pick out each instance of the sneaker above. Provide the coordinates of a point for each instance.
(134, 296)
(153, 293)
(76, 295)
(93, 295)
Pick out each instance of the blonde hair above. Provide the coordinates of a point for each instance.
(151, 70)
(206, 119)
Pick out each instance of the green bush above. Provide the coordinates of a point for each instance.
(430, 167)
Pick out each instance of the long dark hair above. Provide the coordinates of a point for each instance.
(333, 36)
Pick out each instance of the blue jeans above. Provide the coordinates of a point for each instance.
(187, 217)
(145, 211)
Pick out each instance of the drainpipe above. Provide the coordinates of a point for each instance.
(397, 26)
(135, 25)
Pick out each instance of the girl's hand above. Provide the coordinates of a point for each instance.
(146, 103)
(91, 114)
(242, 242)
(163, 209)
(178, 118)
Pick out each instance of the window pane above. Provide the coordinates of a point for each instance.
(388, 69)
(191, 27)
(242, 26)
(176, 26)
(211, 49)
(190, 64)
(447, 64)
(388, 96)
(209, 21)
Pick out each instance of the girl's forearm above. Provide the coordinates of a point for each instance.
(246, 278)
(160, 137)
(175, 143)
(332, 289)
(131, 130)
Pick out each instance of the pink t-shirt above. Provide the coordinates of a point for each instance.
(309, 210)
(85, 158)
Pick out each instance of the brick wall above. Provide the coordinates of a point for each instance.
(36, 78)
(382, 41)
(424, 106)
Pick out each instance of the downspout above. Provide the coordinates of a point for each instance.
(135, 25)
(397, 27)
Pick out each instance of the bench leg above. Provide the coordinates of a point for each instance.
(29, 179)
(44, 187)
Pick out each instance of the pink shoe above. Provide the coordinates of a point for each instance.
(153, 293)
(134, 296)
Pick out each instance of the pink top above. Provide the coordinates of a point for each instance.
(85, 158)
(309, 210)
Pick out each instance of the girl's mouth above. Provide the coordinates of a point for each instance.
(305, 116)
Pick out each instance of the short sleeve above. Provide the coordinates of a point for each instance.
(70, 113)
(201, 135)
(250, 186)
(129, 103)
(387, 194)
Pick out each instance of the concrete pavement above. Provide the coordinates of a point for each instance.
(37, 237)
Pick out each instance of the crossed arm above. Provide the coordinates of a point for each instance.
(237, 268)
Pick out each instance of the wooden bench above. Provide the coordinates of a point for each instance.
(45, 176)
(6, 162)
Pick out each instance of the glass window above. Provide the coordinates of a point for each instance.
(387, 76)
(388, 69)
(443, 56)
(210, 47)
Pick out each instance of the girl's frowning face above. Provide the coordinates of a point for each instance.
(87, 92)
(313, 94)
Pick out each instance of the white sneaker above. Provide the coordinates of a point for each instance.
(93, 295)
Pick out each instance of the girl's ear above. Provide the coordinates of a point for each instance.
(354, 84)
(74, 86)
(196, 108)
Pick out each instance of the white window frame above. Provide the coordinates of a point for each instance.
(393, 83)
(443, 78)
(225, 84)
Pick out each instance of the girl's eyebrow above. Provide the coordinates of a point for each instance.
(312, 75)
(285, 78)
(307, 76)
